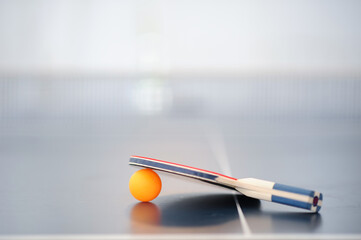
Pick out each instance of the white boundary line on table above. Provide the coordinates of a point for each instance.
(183, 237)
(219, 149)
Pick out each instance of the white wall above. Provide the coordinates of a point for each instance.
(106, 36)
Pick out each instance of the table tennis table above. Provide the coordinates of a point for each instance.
(65, 147)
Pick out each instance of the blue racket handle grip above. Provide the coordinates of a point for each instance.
(280, 193)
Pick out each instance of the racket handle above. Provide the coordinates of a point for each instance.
(280, 193)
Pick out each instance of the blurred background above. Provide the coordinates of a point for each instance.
(246, 59)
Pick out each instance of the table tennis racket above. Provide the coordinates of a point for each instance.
(251, 187)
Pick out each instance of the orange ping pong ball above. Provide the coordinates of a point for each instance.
(145, 185)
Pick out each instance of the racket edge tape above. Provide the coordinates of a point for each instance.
(183, 170)
(174, 168)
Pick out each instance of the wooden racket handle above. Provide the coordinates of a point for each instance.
(280, 193)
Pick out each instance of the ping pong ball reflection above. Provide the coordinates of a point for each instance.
(145, 185)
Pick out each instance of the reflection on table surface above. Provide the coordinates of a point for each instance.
(65, 146)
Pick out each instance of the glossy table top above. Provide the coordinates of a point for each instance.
(64, 173)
